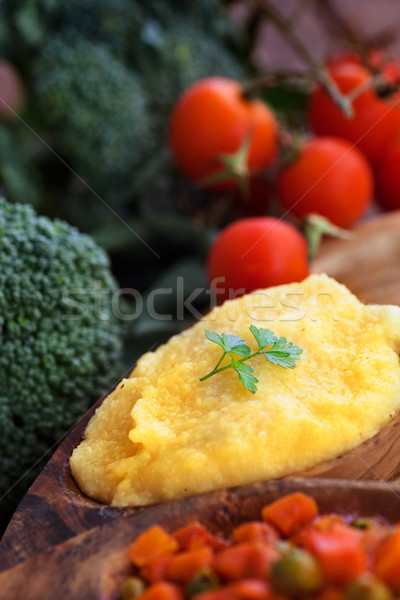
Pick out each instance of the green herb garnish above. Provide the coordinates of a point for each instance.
(277, 351)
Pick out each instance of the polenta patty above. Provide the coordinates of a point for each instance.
(164, 434)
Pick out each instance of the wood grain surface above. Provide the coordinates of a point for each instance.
(55, 512)
(369, 264)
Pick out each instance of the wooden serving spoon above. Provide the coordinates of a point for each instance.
(55, 510)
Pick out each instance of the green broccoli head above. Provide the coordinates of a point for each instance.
(115, 23)
(60, 343)
(112, 23)
(95, 108)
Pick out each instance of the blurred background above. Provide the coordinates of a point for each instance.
(87, 90)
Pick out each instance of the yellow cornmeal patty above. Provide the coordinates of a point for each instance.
(163, 434)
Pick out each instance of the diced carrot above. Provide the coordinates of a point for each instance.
(255, 531)
(331, 593)
(162, 590)
(194, 534)
(290, 512)
(221, 593)
(339, 552)
(247, 560)
(387, 565)
(321, 523)
(251, 589)
(156, 569)
(149, 545)
(186, 564)
(326, 522)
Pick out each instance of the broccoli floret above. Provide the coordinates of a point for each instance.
(60, 346)
(184, 55)
(99, 20)
(95, 108)
(112, 23)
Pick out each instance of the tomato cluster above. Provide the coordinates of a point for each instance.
(224, 140)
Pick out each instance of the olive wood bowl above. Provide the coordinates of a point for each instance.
(92, 565)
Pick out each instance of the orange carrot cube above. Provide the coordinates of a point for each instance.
(247, 560)
(162, 590)
(186, 564)
(156, 569)
(387, 565)
(289, 512)
(251, 589)
(255, 531)
(151, 544)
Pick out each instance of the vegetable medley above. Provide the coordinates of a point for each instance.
(292, 552)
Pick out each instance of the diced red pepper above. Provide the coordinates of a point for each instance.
(251, 589)
(387, 565)
(290, 512)
(339, 552)
(184, 565)
(247, 560)
(372, 540)
(255, 531)
(194, 534)
(162, 590)
(326, 522)
(221, 593)
(331, 593)
(156, 570)
(151, 544)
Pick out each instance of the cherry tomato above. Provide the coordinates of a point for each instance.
(255, 253)
(213, 118)
(387, 177)
(11, 90)
(376, 120)
(377, 58)
(329, 177)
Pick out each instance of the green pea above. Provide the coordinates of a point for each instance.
(367, 587)
(131, 588)
(363, 523)
(203, 580)
(296, 573)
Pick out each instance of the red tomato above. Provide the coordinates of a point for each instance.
(376, 120)
(387, 565)
(339, 551)
(378, 60)
(329, 177)
(212, 118)
(255, 253)
(387, 177)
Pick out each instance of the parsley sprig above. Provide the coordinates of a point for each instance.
(277, 351)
